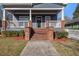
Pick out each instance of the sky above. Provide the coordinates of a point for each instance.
(69, 9)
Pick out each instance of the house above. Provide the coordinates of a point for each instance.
(33, 15)
(72, 24)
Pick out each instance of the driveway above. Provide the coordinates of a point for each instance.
(73, 33)
(39, 48)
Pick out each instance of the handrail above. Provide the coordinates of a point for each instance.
(18, 21)
(52, 23)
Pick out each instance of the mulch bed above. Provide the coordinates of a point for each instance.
(20, 38)
(61, 40)
(16, 38)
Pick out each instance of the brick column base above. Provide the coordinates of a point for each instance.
(62, 25)
(30, 23)
(3, 25)
(50, 34)
(27, 33)
(46, 24)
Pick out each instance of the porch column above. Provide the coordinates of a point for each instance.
(62, 20)
(30, 21)
(3, 21)
(62, 13)
(30, 15)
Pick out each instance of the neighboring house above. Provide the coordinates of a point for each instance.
(72, 27)
(36, 15)
(72, 24)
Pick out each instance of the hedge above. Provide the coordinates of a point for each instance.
(13, 33)
(61, 34)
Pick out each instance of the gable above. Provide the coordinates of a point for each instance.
(47, 5)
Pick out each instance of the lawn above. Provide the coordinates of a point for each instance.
(68, 47)
(11, 46)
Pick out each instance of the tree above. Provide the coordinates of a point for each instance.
(76, 13)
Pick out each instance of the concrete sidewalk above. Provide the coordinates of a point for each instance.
(39, 48)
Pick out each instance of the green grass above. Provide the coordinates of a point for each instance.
(68, 48)
(11, 47)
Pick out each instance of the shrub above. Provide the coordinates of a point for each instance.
(21, 33)
(3, 33)
(17, 32)
(61, 34)
(12, 33)
(8, 34)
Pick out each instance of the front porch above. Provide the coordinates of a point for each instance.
(18, 19)
(43, 21)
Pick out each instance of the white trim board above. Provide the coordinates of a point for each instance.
(35, 13)
(33, 8)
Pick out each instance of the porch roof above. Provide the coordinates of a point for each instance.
(33, 5)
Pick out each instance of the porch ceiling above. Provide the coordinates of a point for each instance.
(34, 11)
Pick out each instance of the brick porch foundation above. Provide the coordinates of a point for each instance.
(62, 25)
(46, 24)
(30, 23)
(27, 33)
(50, 34)
(28, 30)
(3, 25)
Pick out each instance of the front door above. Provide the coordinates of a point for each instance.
(38, 20)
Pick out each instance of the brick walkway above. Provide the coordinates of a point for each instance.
(39, 48)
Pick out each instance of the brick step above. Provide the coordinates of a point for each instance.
(39, 37)
(40, 30)
(39, 34)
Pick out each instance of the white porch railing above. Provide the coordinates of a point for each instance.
(53, 23)
(16, 24)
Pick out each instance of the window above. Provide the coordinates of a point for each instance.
(47, 17)
(23, 18)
